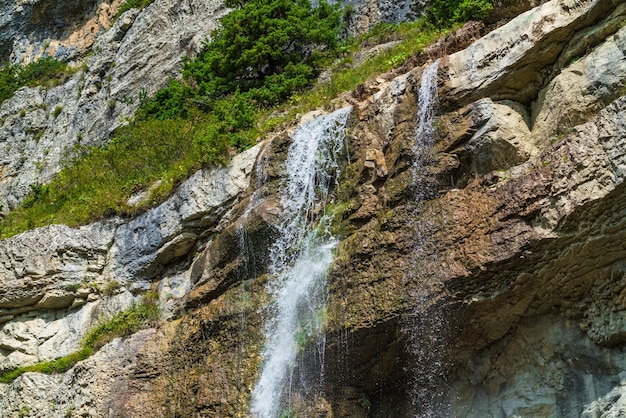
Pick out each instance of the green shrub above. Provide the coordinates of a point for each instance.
(269, 48)
(57, 111)
(123, 324)
(446, 12)
(8, 81)
(72, 287)
(171, 102)
(46, 72)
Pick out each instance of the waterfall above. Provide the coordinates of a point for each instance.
(425, 325)
(300, 258)
(425, 131)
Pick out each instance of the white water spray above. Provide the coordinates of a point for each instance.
(300, 257)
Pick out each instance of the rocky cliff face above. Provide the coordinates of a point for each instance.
(481, 274)
(40, 128)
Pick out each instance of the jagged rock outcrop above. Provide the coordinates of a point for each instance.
(485, 279)
(80, 391)
(63, 29)
(133, 58)
(362, 15)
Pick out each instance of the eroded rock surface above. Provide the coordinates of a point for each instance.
(58, 282)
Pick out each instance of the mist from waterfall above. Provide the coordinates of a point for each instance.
(299, 259)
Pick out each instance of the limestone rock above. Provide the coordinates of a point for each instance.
(499, 137)
(513, 61)
(582, 89)
(29, 339)
(201, 200)
(45, 271)
(44, 259)
(500, 290)
(612, 405)
(364, 14)
(64, 30)
(91, 389)
(29, 396)
(544, 370)
(177, 247)
(134, 57)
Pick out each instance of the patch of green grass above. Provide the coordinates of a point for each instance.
(132, 4)
(57, 111)
(99, 181)
(72, 287)
(46, 72)
(123, 324)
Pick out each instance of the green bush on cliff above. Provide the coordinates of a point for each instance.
(446, 12)
(267, 49)
(45, 72)
(8, 82)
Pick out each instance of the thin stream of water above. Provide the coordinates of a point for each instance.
(425, 326)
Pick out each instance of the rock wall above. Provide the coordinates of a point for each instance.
(40, 128)
(488, 283)
(118, 63)
(63, 29)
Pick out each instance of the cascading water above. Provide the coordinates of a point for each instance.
(425, 326)
(425, 131)
(300, 258)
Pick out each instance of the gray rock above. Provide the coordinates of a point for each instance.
(365, 14)
(502, 137)
(582, 89)
(29, 396)
(65, 30)
(513, 61)
(135, 57)
(141, 245)
(546, 369)
(45, 271)
(87, 390)
(53, 334)
(47, 259)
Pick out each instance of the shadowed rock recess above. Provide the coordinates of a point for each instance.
(480, 274)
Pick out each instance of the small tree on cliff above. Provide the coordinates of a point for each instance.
(267, 49)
